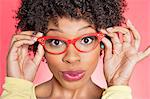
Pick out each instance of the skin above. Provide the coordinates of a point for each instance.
(119, 60)
(72, 60)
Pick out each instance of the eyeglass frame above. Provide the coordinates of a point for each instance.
(43, 39)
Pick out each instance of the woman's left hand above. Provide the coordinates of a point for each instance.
(120, 58)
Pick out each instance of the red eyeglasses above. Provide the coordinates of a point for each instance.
(58, 45)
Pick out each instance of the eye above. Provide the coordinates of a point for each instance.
(55, 42)
(87, 40)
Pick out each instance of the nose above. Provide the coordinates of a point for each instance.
(71, 56)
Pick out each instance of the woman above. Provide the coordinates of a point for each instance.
(72, 34)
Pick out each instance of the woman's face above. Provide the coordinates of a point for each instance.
(72, 69)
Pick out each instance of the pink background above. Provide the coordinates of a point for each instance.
(138, 12)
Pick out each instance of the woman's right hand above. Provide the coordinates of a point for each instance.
(19, 63)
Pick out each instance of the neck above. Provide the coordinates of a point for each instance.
(80, 93)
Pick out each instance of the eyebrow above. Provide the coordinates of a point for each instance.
(61, 31)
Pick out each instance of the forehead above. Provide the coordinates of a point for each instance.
(67, 24)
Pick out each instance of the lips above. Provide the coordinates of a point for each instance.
(73, 75)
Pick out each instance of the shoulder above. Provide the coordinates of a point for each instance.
(43, 90)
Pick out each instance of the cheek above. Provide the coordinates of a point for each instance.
(88, 60)
(54, 61)
(91, 59)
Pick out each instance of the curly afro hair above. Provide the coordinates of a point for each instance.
(34, 15)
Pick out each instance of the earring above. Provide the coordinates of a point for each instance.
(44, 60)
(102, 45)
(101, 53)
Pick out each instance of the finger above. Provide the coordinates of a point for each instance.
(125, 32)
(24, 48)
(108, 48)
(24, 52)
(19, 37)
(28, 33)
(39, 54)
(144, 54)
(18, 44)
(117, 46)
(32, 33)
(136, 35)
(13, 53)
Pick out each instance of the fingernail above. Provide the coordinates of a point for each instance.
(104, 31)
(34, 39)
(39, 34)
(109, 29)
(34, 32)
(129, 22)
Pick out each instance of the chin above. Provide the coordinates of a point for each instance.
(73, 85)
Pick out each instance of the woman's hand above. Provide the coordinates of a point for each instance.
(19, 64)
(120, 58)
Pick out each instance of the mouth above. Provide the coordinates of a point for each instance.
(73, 75)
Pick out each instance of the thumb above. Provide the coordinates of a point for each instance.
(39, 54)
(40, 51)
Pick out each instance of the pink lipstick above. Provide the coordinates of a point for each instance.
(73, 75)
